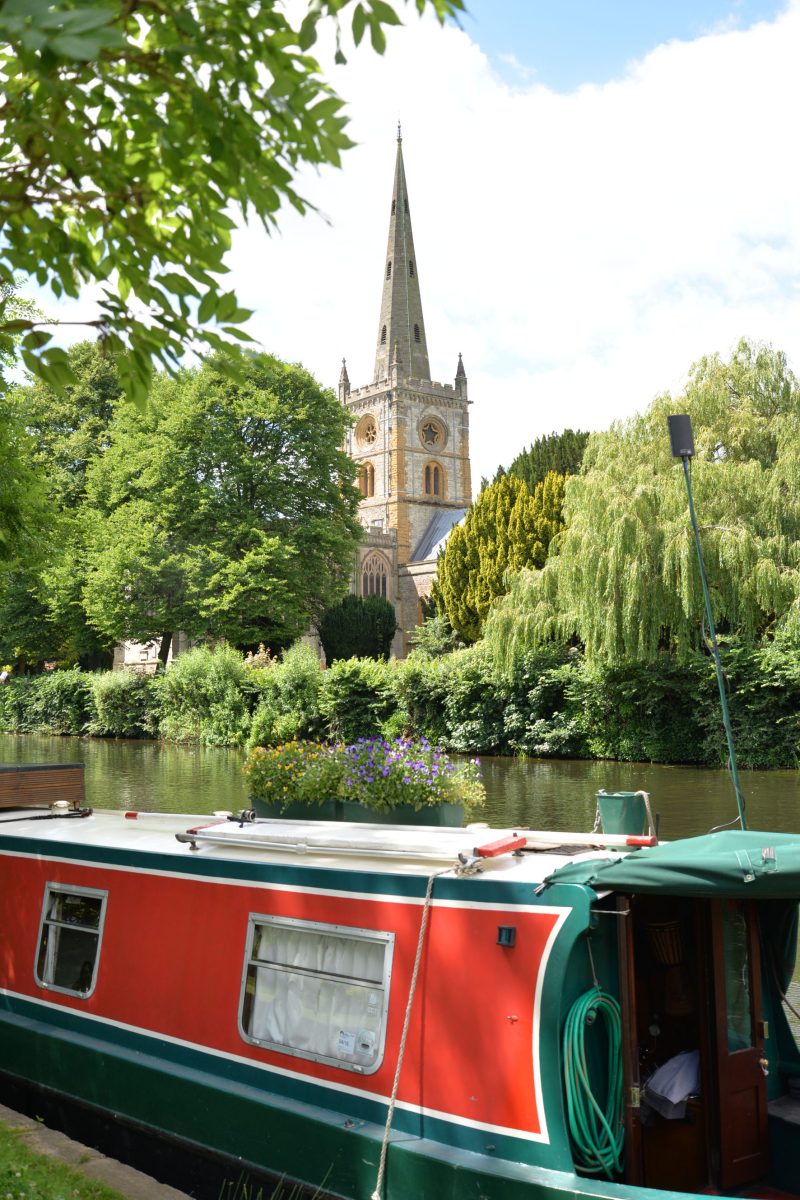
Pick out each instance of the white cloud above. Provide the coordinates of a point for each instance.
(581, 250)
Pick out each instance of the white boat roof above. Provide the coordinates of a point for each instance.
(389, 849)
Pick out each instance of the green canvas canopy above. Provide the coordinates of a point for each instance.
(731, 863)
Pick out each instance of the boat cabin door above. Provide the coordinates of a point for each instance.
(738, 1051)
(690, 979)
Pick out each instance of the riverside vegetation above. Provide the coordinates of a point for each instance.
(594, 649)
(551, 703)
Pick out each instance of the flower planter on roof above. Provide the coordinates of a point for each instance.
(447, 815)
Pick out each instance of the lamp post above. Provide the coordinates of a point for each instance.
(682, 441)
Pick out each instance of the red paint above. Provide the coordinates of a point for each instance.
(172, 959)
(641, 841)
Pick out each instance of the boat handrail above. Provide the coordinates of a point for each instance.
(456, 845)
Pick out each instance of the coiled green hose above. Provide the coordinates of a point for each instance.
(597, 1133)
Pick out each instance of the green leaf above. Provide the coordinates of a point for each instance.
(226, 306)
(178, 284)
(234, 331)
(377, 36)
(359, 23)
(385, 13)
(207, 307)
(308, 31)
(18, 326)
(81, 20)
(36, 339)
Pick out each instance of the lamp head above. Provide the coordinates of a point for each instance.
(681, 436)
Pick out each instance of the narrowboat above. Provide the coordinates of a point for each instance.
(403, 1012)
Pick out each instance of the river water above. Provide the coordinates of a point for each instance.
(536, 793)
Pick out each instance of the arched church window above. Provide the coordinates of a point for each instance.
(433, 479)
(389, 269)
(411, 267)
(416, 333)
(374, 576)
(383, 336)
(366, 479)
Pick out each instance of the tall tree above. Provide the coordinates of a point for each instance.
(507, 528)
(224, 509)
(131, 129)
(625, 581)
(41, 610)
(559, 452)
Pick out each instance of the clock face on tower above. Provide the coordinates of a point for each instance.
(431, 433)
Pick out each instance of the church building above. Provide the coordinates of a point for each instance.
(410, 438)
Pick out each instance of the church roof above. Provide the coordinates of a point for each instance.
(437, 533)
(401, 328)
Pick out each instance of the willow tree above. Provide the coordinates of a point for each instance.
(507, 528)
(622, 578)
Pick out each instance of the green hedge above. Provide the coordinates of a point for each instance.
(552, 706)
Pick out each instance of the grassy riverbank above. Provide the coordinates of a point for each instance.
(27, 1175)
(551, 705)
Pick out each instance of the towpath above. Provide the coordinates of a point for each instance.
(50, 1143)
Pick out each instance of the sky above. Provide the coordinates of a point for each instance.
(602, 191)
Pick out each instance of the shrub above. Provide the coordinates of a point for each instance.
(290, 698)
(473, 703)
(57, 702)
(124, 704)
(357, 697)
(541, 709)
(421, 685)
(358, 628)
(206, 696)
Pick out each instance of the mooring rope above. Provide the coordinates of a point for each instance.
(376, 1195)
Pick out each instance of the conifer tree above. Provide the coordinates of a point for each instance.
(506, 529)
(559, 452)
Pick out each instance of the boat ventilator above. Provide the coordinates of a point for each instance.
(596, 1131)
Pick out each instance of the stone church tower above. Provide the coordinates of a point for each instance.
(410, 438)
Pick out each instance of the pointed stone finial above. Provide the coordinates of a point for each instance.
(399, 132)
(461, 378)
(344, 381)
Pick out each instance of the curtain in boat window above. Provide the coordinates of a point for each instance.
(318, 994)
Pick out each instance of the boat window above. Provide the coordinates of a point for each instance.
(317, 991)
(69, 938)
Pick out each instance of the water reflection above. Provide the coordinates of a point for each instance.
(559, 794)
(537, 793)
(146, 776)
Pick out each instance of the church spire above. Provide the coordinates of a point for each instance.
(401, 324)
